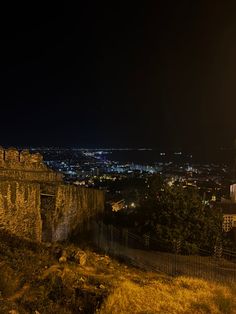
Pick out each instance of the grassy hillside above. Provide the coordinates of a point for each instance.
(36, 278)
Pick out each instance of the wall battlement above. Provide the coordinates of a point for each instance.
(35, 203)
(25, 166)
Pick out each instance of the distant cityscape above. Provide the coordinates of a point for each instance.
(107, 168)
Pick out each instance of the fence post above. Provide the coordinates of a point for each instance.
(125, 237)
(218, 250)
(112, 244)
(101, 235)
(146, 240)
(177, 248)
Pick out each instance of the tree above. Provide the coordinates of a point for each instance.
(173, 216)
(177, 214)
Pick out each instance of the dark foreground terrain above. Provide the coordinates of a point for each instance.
(60, 278)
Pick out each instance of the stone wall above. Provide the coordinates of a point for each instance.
(74, 206)
(20, 209)
(34, 202)
(25, 166)
(22, 175)
(48, 214)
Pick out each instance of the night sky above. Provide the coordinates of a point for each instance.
(160, 75)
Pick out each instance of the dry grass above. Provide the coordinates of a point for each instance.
(9, 282)
(180, 295)
(32, 279)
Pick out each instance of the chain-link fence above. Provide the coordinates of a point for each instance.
(153, 255)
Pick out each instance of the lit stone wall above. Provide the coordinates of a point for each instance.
(22, 175)
(74, 206)
(20, 209)
(34, 202)
(25, 166)
(2, 156)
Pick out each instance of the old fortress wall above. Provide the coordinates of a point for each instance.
(25, 166)
(35, 203)
(20, 209)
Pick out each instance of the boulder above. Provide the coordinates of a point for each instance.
(81, 258)
(63, 258)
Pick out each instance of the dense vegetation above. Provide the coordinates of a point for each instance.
(173, 215)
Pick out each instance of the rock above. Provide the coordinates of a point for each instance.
(102, 286)
(13, 312)
(54, 269)
(81, 258)
(82, 279)
(62, 259)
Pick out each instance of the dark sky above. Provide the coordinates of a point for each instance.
(158, 75)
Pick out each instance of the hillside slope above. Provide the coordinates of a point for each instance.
(40, 278)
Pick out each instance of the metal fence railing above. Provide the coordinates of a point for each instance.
(150, 254)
